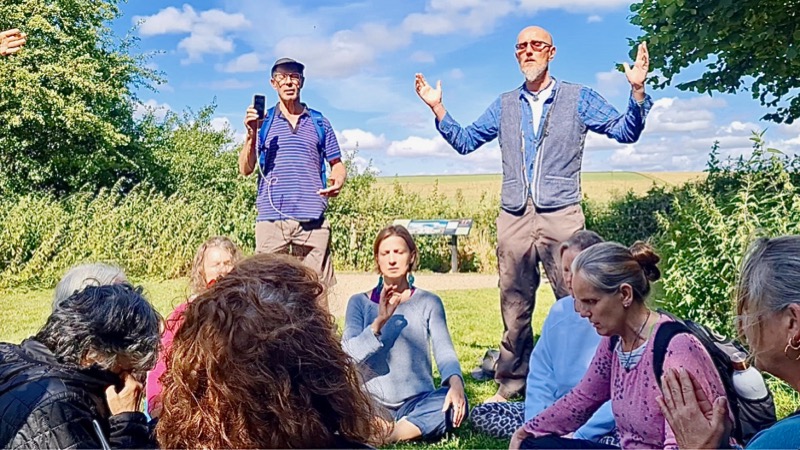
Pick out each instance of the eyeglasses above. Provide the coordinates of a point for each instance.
(280, 77)
(536, 46)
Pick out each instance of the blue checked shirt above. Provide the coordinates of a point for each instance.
(596, 113)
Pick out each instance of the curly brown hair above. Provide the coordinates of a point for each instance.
(257, 363)
(197, 277)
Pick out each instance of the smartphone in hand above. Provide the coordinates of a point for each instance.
(259, 103)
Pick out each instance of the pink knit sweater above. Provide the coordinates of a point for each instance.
(633, 393)
(153, 385)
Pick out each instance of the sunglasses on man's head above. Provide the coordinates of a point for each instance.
(536, 46)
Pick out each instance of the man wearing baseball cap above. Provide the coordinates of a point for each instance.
(290, 148)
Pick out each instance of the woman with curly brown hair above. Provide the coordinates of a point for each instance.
(213, 260)
(257, 364)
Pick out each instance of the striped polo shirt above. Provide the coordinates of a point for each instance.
(288, 189)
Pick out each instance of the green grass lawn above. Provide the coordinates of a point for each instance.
(473, 318)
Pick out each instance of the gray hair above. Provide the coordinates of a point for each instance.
(81, 276)
(769, 279)
(108, 323)
(609, 265)
(581, 240)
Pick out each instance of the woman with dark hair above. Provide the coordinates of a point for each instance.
(257, 364)
(213, 260)
(391, 331)
(74, 384)
(768, 312)
(610, 284)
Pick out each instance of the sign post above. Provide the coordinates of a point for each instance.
(453, 228)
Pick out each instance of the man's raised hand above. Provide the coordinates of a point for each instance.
(638, 73)
(11, 41)
(432, 97)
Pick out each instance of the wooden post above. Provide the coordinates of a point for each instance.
(454, 254)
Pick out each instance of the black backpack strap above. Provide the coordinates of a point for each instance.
(664, 334)
(612, 343)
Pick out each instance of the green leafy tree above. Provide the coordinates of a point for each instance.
(189, 155)
(712, 223)
(745, 45)
(66, 100)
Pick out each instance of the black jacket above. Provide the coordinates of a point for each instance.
(45, 404)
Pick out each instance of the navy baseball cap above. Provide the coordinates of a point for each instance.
(287, 62)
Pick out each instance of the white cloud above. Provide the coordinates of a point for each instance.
(596, 141)
(365, 140)
(422, 57)
(736, 126)
(675, 115)
(221, 123)
(611, 83)
(676, 151)
(789, 130)
(345, 52)
(415, 146)
(594, 18)
(159, 110)
(167, 21)
(447, 16)
(456, 74)
(248, 62)
(224, 124)
(208, 30)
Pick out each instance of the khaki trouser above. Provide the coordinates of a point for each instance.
(308, 241)
(523, 241)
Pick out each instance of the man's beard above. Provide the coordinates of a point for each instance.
(533, 73)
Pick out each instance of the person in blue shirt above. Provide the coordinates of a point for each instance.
(541, 127)
(292, 196)
(558, 362)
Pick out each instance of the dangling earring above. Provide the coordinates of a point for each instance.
(793, 346)
(380, 283)
(410, 278)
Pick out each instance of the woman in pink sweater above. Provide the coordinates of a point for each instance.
(213, 260)
(610, 285)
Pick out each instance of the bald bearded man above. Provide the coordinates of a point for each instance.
(542, 128)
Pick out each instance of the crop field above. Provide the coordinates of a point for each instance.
(597, 186)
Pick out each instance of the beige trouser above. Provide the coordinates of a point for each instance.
(523, 241)
(308, 241)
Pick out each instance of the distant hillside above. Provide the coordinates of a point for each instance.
(599, 186)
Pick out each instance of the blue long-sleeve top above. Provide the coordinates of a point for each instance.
(596, 113)
(559, 360)
(397, 364)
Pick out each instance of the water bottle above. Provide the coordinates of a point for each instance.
(747, 380)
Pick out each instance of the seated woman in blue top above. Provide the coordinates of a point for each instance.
(559, 360)
(768, 313)
(390, 332)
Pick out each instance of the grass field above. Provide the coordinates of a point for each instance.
(473, 318)
(597, 186)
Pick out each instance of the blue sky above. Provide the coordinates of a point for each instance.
(361, 57)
